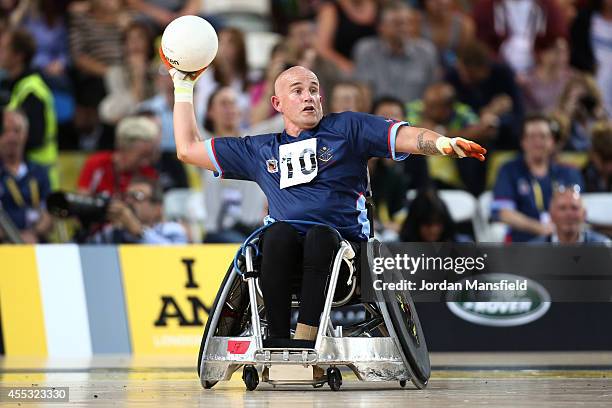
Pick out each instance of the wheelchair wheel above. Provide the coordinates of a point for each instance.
(410, 335)
(334, 378)
(250, 377)
(231, 317)
(406, 325)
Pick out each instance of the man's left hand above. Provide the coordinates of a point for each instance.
(460, 147)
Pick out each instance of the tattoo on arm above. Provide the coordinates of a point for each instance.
(427, 147)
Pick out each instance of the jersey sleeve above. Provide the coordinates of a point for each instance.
(372, 136)
(233, 157)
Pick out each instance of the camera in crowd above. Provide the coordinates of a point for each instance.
(88, 209)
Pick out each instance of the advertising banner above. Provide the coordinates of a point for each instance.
(169, 292)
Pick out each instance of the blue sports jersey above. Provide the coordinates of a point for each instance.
(515, 189)
(321, 175)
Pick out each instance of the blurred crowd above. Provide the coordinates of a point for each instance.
(527, 79)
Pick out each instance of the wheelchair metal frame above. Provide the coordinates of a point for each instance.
(371, 349)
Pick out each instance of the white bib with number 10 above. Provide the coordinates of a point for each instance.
(298, 162)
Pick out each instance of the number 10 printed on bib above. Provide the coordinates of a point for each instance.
(298, 162)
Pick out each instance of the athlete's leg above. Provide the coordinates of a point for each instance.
(282, 252)
(320, 247)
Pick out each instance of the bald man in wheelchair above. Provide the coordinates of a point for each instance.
(315, 170)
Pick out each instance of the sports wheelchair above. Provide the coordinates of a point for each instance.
(388, 345)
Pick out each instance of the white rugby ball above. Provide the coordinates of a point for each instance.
(189, 43)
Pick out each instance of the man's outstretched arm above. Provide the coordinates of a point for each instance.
(189, 147)
(417, 140)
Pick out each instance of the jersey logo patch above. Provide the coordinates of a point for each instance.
(272, 165)
(298, 162)
(325, 154)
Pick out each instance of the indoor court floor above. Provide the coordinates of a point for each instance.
(541, 379)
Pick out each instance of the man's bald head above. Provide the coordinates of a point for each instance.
(567, 211)
(289, 74)
(297, 98)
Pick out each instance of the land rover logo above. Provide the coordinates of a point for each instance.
(500, 308)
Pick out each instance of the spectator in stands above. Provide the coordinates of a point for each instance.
(162, 12)
(415, 173)
(579, 108)
(510, 28)
(110, 172)
(598, 173)
(490, 90)
(446, 28)
(430, 221)
(301, 45)
(542, 86)
(24, 185)
(137, 218)
(95, 46)
(25, 89)
(591, 36)
(234, 208)
(45, 21)
(349, 96)
(392, 63)
(568, 215)
(301, 35)
(229, 68)
(131, 82)
(262, 91)
(172, 173)
(284, 13)
(390, 108)
(440, 110)
(524, 186)
(341, 23)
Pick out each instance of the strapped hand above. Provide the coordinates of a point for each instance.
(460, 147)
(183, 81)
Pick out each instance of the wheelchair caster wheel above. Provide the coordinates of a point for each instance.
(402, 383)
(334, 378)
(209, 384)
(250, 377)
